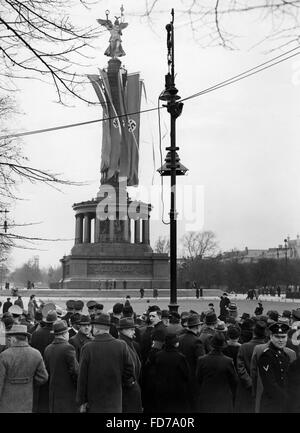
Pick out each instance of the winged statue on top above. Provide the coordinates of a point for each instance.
(115, 47)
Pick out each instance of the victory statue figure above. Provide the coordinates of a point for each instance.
(115, 48)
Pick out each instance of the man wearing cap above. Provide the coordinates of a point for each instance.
(191, 346)
(208, 330)
(165, 315)
(131, 399)
(19, 302)
(105, 368)
(40, 340)
(20, 367)
(70, 305)
(16, 313)
(78, 306)
(91, 308)
(74, 326)
(175, 326)
(273, 367)
(62, 366)
(114, 319)
(83, 335)
(155, 322)
(6, 305)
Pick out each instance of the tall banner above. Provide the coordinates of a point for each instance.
(119, 96)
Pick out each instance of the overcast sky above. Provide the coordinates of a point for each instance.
(240, 143)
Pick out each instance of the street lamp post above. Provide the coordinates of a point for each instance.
(172, 167)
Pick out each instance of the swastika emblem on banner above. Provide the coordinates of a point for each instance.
(131, 125)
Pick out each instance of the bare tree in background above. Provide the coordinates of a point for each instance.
(211, 20)
(38, 39)
(162, 245)
(199, 244)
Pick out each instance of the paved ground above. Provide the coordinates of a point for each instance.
(185, 304)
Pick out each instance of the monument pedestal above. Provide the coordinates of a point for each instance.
(113, 253)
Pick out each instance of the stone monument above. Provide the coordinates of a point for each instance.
(112, 232)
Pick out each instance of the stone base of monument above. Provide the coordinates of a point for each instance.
(115, 266)
(114, 253)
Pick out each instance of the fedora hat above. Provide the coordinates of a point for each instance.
(210, 318)
(232, 307)
(70, 304)
(18, 330)
(193, 320)
(245, 316)
(91, 304)
(60, 327)
(15, 310)
(126, 323)
(51, 317)
(84, 320)
(101, 319)
(78, 305)
(221, 327)
(48, 307)
(218, 341)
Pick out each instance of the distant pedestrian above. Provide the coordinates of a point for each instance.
(32, 307)
(259, 310)
(19, 302)
(197, 293)
(142, 292)
(7, 304)
(155, 293)
(20, 367)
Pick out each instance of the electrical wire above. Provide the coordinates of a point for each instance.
(235, 78)
(244, 74)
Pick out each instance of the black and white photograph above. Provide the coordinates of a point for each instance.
(149, 209)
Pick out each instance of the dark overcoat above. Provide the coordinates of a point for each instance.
(217, 380)
(62, 366)
(191, 347)
(6, 306)
(294, 387)
(148, 381)
(172, 381)
(78, 341)
(105, 368)
(273, 367)
(244, 398)
(40, 339)
(132, 399)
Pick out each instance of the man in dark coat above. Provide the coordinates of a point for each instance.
(155, 323)
(217, 379)
(273, 367)
(172, 378)
(105, 368)
(149, 373)
(83, 335)
(191, 347)
(245, 400)
(131, 398)
(293, 389)
(114, 319)
(62, 366)
(40, 339)
(74, 322)
(19, 302)
(70, 305)
(6, 305)
(224, 303)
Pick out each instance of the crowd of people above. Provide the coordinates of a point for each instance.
(158, 362)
